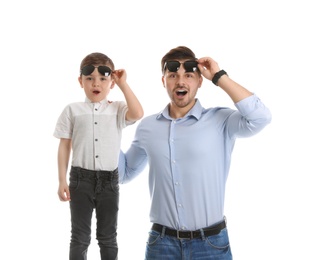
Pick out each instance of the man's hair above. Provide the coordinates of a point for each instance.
(178, 53)
(97, 58)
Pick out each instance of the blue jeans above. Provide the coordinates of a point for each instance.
(163, 247)
(91, 190)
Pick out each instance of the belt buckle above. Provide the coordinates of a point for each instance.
(191, 235)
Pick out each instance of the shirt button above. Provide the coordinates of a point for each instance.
(95, 123)
(96, 140)
(96, 156)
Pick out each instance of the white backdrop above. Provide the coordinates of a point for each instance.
(263, 45)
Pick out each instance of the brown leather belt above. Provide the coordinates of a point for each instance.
(180, 234)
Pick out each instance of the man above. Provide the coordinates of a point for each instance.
(188, 149)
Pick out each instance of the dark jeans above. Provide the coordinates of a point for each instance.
(91, 190)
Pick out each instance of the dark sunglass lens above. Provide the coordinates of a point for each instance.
(104, 70)
(190, 66)
(87, 70)
(173, 66)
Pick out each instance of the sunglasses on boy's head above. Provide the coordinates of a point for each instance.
(173, 66)
(88, 70)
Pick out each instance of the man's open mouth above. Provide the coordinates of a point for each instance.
(181, 92)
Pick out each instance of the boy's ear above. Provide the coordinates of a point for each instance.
(112, 84)
(80, 81)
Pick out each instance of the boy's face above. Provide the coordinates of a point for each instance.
(96, 86)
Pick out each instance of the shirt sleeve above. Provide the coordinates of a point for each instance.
(122, 110)
(64, 126)
(133, 161)
(252, 116)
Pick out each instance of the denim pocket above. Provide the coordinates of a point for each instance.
(73, 183)
(219, 241)
(153, 237)
(114, 184)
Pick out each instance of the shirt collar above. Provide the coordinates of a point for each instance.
(104, 101)
(195, 111)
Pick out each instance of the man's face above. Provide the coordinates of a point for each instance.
(182, 86)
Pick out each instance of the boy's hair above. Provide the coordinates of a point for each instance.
(178, 53)
(97, 58)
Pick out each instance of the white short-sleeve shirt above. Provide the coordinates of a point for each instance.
(95, 130)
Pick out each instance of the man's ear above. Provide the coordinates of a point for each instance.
(163, 81)
(200, 81)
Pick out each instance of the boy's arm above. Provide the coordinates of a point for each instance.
(64, 150)
(135, 110)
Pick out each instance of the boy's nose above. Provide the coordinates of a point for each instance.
(96, 83)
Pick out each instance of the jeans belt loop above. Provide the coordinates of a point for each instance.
(79, 173)
(202, 233)
(163, 232)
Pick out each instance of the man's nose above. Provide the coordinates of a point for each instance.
(180, 80)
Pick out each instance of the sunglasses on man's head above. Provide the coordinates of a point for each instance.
(88, 70)
(189, 65)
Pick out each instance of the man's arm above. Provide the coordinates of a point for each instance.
(131, 163)
(209, 68)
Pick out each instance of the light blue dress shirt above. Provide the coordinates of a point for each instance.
(189, 160)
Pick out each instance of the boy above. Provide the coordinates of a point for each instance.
(92, 130)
